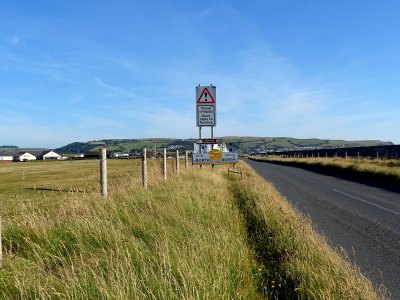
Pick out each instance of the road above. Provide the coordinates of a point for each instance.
(362, 219)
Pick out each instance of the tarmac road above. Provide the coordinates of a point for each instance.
(362, 219)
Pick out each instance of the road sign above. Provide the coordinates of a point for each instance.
(207, 141)
(214, 158)
(206, 106)
(206, 97)
(205, 116)
(215, 154)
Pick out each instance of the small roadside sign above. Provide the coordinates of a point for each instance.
(215, 157)
(207, 141)
(206, 106)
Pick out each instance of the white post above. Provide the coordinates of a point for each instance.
(165, 164)
(103, 172)
(234, 167)
(345, 154)
(144, 168)
(177, 162)
(377, 154)
(186, 160)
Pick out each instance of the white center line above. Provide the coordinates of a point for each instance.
(365, 201)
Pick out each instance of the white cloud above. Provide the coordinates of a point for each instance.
(114, 89)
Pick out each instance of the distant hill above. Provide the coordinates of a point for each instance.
(278, 143)
(8, 147)
(236, 143)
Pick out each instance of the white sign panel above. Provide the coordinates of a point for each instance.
(205, 106)
(205, 115)
(205, 159)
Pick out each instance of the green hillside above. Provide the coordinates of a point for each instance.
(236, 143)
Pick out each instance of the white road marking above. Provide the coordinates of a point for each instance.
(365, 201)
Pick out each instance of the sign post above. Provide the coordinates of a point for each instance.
(206, 116)
(206, 107)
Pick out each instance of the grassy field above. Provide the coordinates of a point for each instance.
(201, 235)
(385, 169)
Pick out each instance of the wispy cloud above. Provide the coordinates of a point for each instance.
(14, 40)
(114, 88)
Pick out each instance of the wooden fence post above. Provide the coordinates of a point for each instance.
(165, 164)
(103, 172)
(186, 160)
(144, 168)
(177, 162)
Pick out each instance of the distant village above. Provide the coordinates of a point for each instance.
(19, 155)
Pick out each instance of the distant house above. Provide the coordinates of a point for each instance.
(50, 155)
(6, 156)
(24, 156)
(119, 155)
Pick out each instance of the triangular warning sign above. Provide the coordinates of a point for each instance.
(206, 97)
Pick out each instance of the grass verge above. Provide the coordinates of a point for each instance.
(386, 172)
(294, 261)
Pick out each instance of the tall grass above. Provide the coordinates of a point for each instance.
(196, 236)
(295, 261)
(389, 169)
(182, 239)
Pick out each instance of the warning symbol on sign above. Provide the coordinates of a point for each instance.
(206, 97)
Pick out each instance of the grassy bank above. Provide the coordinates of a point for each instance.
(196, 236)
(387, 170)
(295, 261)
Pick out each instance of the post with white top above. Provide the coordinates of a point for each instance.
(165, 164)
(144, 168)
(186, 160)
(103, 172)
(177, 162)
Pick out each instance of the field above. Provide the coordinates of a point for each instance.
(200, 235)
(385, 169)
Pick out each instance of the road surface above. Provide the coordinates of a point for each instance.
(362, 219)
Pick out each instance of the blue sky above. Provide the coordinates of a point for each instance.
(84, 70)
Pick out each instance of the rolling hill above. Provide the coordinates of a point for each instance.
(236, 143)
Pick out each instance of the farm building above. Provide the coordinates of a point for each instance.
(6, 156)
(50, 155)
(24, 156)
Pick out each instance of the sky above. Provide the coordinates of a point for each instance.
(75, 71)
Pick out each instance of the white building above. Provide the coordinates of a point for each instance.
(25, 156)
(51, 155)
(6, 157)
(205, 148)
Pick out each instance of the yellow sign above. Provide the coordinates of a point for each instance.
(215, 154)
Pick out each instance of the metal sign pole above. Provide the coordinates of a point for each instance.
(212, 136)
